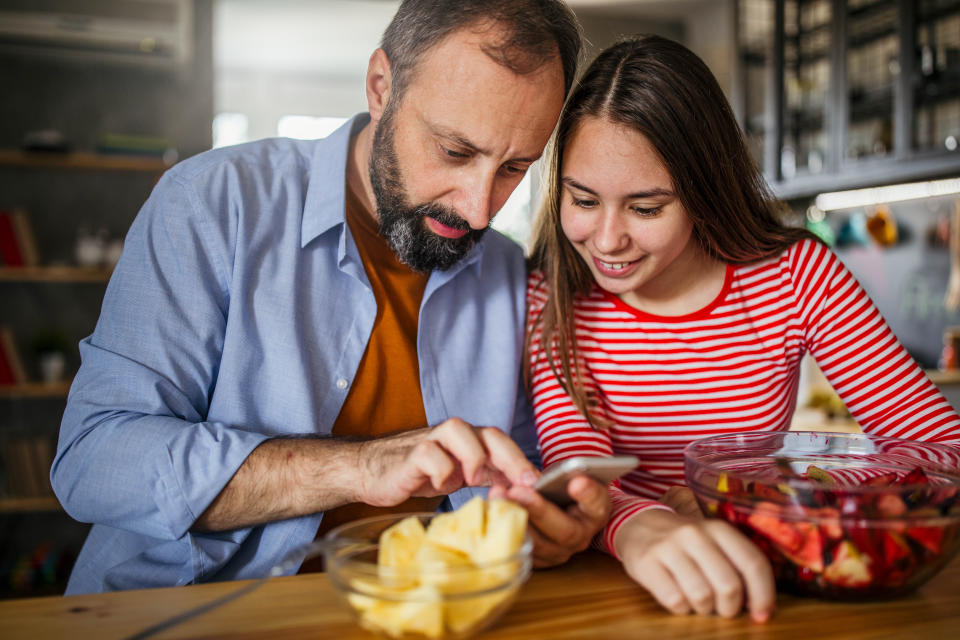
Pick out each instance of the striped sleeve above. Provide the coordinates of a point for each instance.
(885, 390)
(563, 432)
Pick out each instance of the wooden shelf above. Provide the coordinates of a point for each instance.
(36, 390)
(81, 160)
(29, 505)
(54, 274)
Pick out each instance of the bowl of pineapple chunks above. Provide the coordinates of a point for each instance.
(432, 575)
(839, 516)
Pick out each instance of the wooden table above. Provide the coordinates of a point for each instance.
(590, 597)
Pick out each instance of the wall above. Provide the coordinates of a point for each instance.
(907, 281)
(85, 99)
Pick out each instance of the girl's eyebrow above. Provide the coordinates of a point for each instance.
(649, 193)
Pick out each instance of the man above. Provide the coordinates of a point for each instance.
(281, 306)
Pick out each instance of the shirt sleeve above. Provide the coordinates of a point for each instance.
(135, 450)
(563, 432)
(885, 390)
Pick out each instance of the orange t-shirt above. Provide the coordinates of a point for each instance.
(385, 396)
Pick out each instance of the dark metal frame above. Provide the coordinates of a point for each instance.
(903, 164)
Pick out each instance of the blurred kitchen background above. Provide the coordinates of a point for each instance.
(851, 107)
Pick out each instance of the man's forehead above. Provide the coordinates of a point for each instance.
(471, 49)
(462, 93)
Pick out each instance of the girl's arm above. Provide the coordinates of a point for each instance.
(882, 386)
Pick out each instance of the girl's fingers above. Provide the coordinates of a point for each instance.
(656, 579)
(753, 567)
(546, 552)
(726, 583)
(690, 578)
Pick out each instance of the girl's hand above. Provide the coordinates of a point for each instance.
(693, 564)
(682, 501)
(559, 533)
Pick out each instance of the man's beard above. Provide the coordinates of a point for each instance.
(403, 225)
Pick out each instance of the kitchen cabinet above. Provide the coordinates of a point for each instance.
(838, 94)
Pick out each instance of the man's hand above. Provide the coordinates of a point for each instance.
(696, 565)
(289, 477)
(557, 533)
(437, 461)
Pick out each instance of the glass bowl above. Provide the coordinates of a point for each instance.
(432, 600)
(841, 516)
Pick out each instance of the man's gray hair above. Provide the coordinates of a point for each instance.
(534, 32)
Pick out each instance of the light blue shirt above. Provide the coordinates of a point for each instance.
(239, 311)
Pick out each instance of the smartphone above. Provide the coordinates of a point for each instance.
(553, 483)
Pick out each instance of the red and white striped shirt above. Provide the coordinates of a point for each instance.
(732, 366)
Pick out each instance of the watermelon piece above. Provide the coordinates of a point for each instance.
(829, 522)
(931, 538)
(916, 476)
(883, 480)
(895, 549)
(766, 492)
(730, 513)
(890, 505)
(810, 553)
(865, 544)
(766, 520)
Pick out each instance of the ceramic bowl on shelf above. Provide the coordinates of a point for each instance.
(440, 596)
(839, 515)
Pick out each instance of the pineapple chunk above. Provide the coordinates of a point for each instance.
(506, 528)
(462, 615)
(422, 613)
(418, 568)
(461, 529)
(400, 543)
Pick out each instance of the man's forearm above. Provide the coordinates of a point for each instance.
(285, 478)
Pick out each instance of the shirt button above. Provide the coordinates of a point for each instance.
(342, 383)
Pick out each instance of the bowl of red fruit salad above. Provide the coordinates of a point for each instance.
(845, 516)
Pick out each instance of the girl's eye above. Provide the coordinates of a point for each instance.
(583, 204)
(646, 212)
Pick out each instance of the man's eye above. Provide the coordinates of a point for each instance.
(514, 170)
(453, 154)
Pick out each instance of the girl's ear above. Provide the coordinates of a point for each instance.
(378, 84)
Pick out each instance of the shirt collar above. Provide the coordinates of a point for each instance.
(325, 203)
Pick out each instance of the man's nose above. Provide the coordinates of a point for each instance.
(476, 199)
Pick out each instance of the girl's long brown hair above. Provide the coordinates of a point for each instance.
(662, 90)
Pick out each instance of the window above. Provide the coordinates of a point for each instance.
(307, 127)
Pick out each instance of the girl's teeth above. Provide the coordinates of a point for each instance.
(614, 265)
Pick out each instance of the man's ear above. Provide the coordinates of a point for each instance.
(379, 82)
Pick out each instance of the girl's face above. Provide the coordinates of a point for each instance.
(619, 211)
